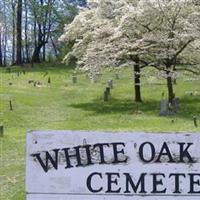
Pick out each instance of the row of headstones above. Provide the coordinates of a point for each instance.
(75, 78)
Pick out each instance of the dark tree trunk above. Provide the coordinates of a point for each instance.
(13, 33)
(26, 34)
(1, 59)
(54, 47)
(19, 32)
(170, 87)
(137, 71)
(44, 53)
(36, 55)
(5, 48)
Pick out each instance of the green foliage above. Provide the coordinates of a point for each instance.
(63, 105)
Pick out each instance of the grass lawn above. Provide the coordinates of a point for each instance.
(63, 105)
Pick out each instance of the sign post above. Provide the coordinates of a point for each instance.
(78, 165)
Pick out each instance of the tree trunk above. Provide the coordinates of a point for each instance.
(54, 47)
(5, 47)
(1, 59)
(36, 56)
(19, 32)
(26, 34)
(13, 32)
(137, 81)
(44, 53)
(170, 87)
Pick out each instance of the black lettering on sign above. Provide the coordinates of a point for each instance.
(152, 152)
(77, 156)
(184, 152)
(112, 180)
(177, 182)
(141, 183)
(165, 152)
(48, 158)
(158, 181)
(194, 181)
(89, 182)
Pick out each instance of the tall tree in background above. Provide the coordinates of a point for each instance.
(43, 14)
(13, 5)
(30, 29)
(26, 42)
(1, 61)
(19, 32)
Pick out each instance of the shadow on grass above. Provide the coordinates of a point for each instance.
(189, 107)
(122, 106)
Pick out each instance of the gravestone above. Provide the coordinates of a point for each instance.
(165, 108)
(117, 76)
(1, 131)
(93, 79)
(74, 79)
(110, 84)
(108, 90)
(176, 104)
(30, 81)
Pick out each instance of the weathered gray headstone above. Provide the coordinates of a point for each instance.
(74, 79)
(110, 84)
(165, 108)
(176, 104)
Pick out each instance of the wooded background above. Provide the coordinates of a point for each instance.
(29, 29)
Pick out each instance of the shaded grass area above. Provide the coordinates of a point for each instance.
(62, 105)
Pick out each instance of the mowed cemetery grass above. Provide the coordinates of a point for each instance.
(62, 105)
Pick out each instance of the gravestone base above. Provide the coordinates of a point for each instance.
(165, 110)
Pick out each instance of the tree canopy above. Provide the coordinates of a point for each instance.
(163, 34)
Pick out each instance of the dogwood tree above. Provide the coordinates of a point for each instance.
(175, 44)
(103, 37)
(140, 33)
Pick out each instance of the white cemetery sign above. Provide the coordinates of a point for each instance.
(78, 165)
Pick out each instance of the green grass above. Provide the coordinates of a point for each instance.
(63, 105)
